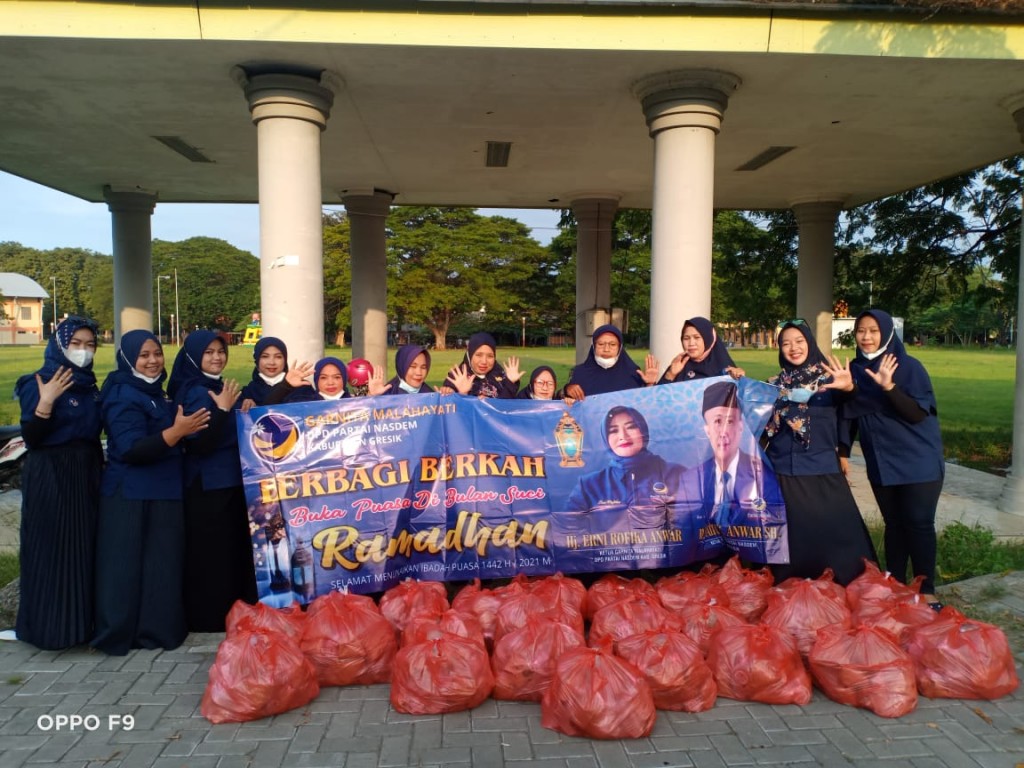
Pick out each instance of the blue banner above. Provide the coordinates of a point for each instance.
(361, 493)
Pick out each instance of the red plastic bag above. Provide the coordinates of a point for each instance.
(674, 667)
(864, 667)
(758, 662)
(481, 603)
(257, 673)
(423, 628)
(597, 695)
(747, 589)
(611, 588)
(524, 659)
(803, 608)
(686, 587)
(897, 614)
(958, 658)
(568, 594)
(630, 617)
(873, 585)
(825, 584)
(518, 607)
(288, 620)
(701, 621)
(447, 674)
(411, 598)
(348, 640)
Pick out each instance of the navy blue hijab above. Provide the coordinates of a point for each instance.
(527, 393)
(127, 354)
(404, 357)
(910, 376)
(83, 379)
(187, 369)
(716, 356)
(595, 380)
(258, 389)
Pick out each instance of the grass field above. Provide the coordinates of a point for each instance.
(974, 387)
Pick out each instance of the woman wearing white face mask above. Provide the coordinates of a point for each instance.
(60, 421)
(608, 368)
(271, 357)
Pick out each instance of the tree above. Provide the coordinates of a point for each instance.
(446, 263)
(218, 284)
(337, 275)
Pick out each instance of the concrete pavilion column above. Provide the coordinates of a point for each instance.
(1012, 499)
(368, 213)
(290, 111)
(131, 212)
(593, 262)
(684, 114)
(815, 259)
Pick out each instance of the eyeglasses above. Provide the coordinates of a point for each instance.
(544, 384)
(793, 321)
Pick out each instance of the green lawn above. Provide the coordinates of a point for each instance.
(974, 387)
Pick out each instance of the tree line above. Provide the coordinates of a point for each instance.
(943, 256)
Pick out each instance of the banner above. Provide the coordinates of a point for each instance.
(361, 493)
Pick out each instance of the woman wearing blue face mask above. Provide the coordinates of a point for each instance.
(140, 539)
(824, 525)
(60, 422)
(893, 410)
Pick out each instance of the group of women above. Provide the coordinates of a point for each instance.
(153, 543)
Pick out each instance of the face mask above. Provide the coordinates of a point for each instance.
(147, 379)
(407, 387)
(332, 397)
(881, 350)
(79, 357)
(605, 362)
(213, 376)
(800, 395)
(272, 380)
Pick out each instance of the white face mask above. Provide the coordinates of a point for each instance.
(272, 380)
(881, 350)
(332, 397)
(147, 379)
(605, 362)
(79, 357)
(407, 387)
(213, 376)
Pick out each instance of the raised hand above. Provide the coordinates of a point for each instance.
(227, 396)
(49, 391)
(652, 370)
(886, 371)
(376, 384)
(842, 379)
(461, 378)
(298, 372)
(676, 366)
(512, 372)
(184, 426)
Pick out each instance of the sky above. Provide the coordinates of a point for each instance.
(42, 218)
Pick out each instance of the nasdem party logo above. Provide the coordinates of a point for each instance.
(274, 436)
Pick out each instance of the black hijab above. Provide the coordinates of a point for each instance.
(810, 374)
(595, 380)
(127, 354)
(716, 357)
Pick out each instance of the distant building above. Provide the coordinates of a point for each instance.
(23, 299)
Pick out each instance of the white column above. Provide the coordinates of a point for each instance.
(594, 217)
(367, 214)
(131, 212)
(290, 111)
(815, 259)
(684, 114)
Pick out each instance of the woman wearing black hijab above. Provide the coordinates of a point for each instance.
(271, 358)
(543, 385)
(480, 374)
(60, 422)
(703, 355)
(825, 527)
(896, 418)
(412, 365)
(608, 368)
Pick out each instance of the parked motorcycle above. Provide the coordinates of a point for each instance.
(12, 456)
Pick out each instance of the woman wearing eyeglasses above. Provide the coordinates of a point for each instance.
(60, 422)
(543, 385)
(608, 368)
(825, 527)
(703, 356)
(894, 413)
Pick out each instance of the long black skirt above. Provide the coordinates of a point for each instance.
(60, 489)
(825, 529)
(140, 553)
(218, 555)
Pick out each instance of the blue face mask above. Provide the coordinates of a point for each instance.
(800, 395)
